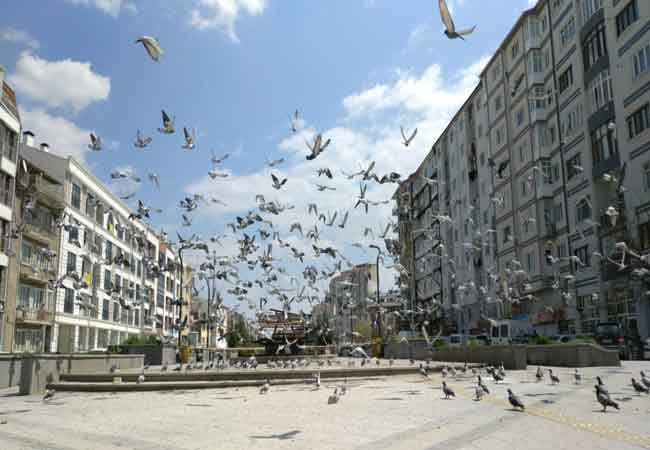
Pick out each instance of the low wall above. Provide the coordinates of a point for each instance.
(10, 366)
(41, 369)
(513, 357)
(407, 350)
(154, 355)
(572, 355)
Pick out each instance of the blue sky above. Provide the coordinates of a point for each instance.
(235, 70)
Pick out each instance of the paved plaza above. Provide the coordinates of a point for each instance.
(406, 412)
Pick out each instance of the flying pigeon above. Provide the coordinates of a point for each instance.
(317, 147)
(277, 184)
(294, 121)
(95, 142)
(168, 124)
(190, 139)
(152, 46)
(140, 141)
(407, 141)
(448, 22)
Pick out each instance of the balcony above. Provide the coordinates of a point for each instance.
(532, 42)
(51, 191)
(602, 167)
(610, 271)
(551, 230)
(42, 315)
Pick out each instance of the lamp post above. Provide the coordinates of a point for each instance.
(375, 247)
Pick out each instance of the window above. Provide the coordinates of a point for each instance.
(73, 236)
(601, 90)
(499, 135)
(109, 250)
(68, 301)
(522, 154)
(626, 17)
(116, 312)
(572, 121)
(547, 172)
(520, 117)
(485, 217)
(591, 7)
(107, 280)
(530, 262)
(495, 72)
(71, 265)
(507, 234)
(118, 282)
(535, 62)
(646, 176)
(558, 213)
(568, 31)
(524, 188)
(639, 121)
(566, 79)
(90, 205)
(583, 254)
(562, 251)
(641, 61)
(30, 298)
(603, 143)
(573, 166)
(76, 196)
(498, 103)
(539, 101)
(583, 211)
(644, 236)
(514, 50)
(105, 311)
(594, 46)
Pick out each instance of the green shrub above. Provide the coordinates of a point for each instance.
(439, 344)
(540, 339)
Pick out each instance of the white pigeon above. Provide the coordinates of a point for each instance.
(152, 46)
(448, 22)
(155, 179)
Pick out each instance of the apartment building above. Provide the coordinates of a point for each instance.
(523, 185)
(109, 265)
(38, 202)
(10, 128)
(348, 297)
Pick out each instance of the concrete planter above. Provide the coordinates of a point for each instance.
(39, 370)
(10, 367)
(154, 355)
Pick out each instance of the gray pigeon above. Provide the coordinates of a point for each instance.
(639, 388)
(514, 401)
(449, 392)
(49, 394)
(645, 380)
(604, 400)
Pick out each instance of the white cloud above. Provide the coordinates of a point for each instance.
(20, 37)
(64, 137)
(223, 14)
(64, 83)
(110, 7)
(426, 101)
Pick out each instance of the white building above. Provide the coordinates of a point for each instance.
(114, 299)
(9, 138)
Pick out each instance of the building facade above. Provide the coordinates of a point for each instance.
(106, 274)
(545, 168)
(349, 296)
(10, 129)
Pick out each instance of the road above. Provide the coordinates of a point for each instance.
(406, 412)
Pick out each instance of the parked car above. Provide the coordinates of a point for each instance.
(610, 335)
(562, 338)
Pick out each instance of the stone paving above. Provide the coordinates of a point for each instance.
(405, 412)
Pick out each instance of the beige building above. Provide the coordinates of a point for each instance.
(526, 178)
(39, 202)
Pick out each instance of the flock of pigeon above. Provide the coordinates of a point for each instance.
(259, 239)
